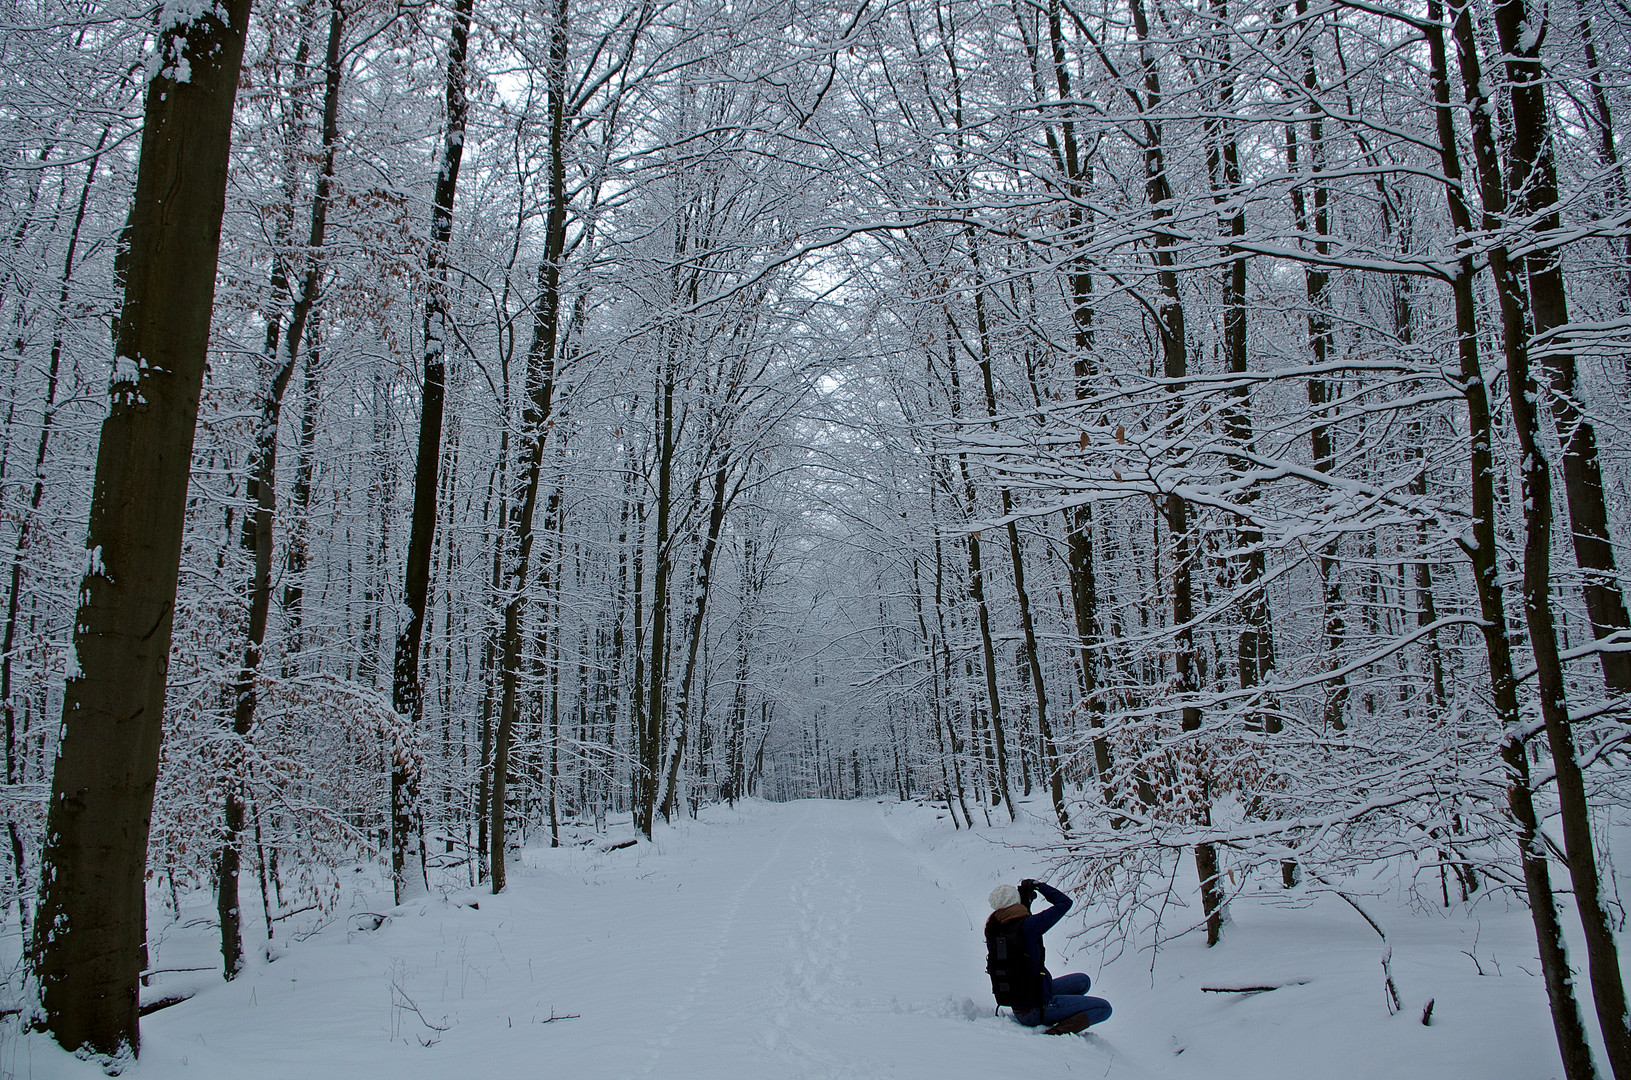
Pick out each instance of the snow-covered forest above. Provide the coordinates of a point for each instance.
(1201, 427)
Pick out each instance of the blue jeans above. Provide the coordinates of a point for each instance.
(1069, 998)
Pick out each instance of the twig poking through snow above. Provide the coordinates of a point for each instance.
(1393, 1005)
(402, 1000)
(554, 1016)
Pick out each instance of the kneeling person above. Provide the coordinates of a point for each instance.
(1015, 959)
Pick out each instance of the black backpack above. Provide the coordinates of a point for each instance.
(1016, 977)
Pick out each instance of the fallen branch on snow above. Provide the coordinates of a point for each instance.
(156, 1004)
(1265, 988)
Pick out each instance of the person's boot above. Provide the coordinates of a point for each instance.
(1070, 1025)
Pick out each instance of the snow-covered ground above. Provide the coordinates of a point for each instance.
(824, 940)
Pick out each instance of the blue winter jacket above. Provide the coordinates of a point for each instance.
(1040, 922)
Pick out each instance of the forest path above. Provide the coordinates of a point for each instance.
(808, 941)
(779, 941)
(813, 943)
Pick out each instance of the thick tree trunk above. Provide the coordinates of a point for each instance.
(1602, 953)
(87, 946)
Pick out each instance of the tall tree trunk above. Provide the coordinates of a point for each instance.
(998, 745)
(613, 671)
(298, 555)
(1531, 159)
(1321, 342)
(1483, 553)
(1254, 648)
(499, 531)
(651, 736)
(87, 944)
(944, 701)
(1619, 191)
(1078, 174)
(535, 424)
(407, 696)
(256, 538)
(549, 647)
(640, 804)
(1532, 181)
(1050, 755)
(982, 358)
(717, 506)
(1426, 598)
(1175, 368)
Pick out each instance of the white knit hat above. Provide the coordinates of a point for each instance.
(1004, 896)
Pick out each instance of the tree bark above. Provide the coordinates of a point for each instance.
(407, 696)
(1321, 341)
(717, 506)
(87, 945)
(535, 424)
(282, 354)
(1254, 647)
(1175, 367)
(651, 735)
(1532, 181)
(1532, 165)
(1050, 756)
(1484, 553)
(1079, 560)
(298, 555)
(976, 574)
